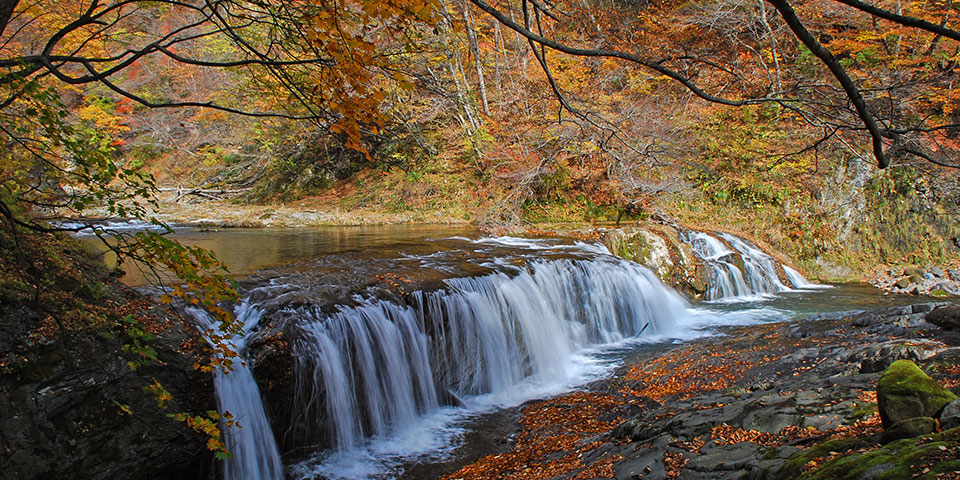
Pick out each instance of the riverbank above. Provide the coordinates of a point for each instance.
(339, 206)
(769, 401)
(305, 212)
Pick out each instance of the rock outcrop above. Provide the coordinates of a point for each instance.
(933, 281)
(71, 406)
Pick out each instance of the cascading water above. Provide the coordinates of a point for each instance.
(374, 368)
(798, 280)
(760, 269)
(726, 278)
(758, 276)
(251, 443)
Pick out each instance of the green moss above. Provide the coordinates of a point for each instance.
(794, 466)
(633, 247)
(904, 391)
(902, 459)
(864, 410)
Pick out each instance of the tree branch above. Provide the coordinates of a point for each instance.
(853, 93)
(902, 19)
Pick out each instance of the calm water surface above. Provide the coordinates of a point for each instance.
(247, 250)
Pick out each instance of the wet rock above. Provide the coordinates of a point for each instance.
(950, 417)
(739, 456)
(904, 391)
(946, 317)
(696, 423)
(888, 316)
(924, 307)
(646, 463)
(817, 381)
(637, 429)
(771, 418)
(876, 358)
(909, 428)
(60, 414)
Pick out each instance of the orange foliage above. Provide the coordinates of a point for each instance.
(555, 426)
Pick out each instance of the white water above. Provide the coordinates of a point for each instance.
(726, 279)
(382, 382)
(369, 376)
(760, 269)
(254, 451)
(799, 281)
(758, 278)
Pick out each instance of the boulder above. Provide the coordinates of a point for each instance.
(903, 283)
(909, 428)
(954, 274)
(910, 271)
(937, 272)
(904, 391)
(946, 317)
(950, 418)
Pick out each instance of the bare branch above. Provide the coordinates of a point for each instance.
(853, 93)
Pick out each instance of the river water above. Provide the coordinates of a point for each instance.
(403, 335)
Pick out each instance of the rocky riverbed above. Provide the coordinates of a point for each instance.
(935, 281)
(770, 401)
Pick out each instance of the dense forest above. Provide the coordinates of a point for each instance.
(717, 113)
(825, 131)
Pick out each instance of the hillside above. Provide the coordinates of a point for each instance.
(464, 122)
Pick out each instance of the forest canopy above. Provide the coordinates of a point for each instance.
(97, 96)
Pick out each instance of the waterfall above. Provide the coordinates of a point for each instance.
(799, 281)
(756, 273)
(796, 278)
(726, 280)
(760, 269)
(375, 368)
(251, 443)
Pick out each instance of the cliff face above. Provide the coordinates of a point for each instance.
(72, 406)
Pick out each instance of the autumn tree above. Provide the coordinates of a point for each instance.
(891, 64)
(71, 73)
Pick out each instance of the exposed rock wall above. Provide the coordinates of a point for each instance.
(70, 405)
(658, 247)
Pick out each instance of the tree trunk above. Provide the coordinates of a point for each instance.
(475, 50)
(6, 11)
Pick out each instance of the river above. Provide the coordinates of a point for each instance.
(401, 337)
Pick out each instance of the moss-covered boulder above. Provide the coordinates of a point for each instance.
(794, 465)
(904, 392)
(909, 428)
